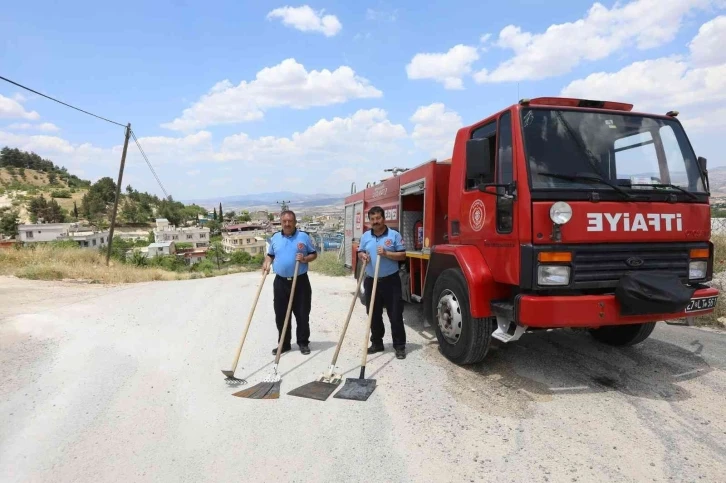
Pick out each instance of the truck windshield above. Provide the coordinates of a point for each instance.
(636, 153)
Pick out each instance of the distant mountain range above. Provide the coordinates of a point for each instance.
(270, 200)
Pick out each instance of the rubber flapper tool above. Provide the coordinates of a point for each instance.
(326, 384)
(361, 388)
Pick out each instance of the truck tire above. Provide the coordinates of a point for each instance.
(623, 335)
(462, 338)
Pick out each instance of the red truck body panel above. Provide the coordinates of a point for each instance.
(462, 223)
(614, 222)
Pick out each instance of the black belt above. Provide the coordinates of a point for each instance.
(385, 277)
(289, 279)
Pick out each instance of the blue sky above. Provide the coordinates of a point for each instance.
(241, 97)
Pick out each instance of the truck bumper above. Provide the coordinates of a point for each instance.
(598, 310)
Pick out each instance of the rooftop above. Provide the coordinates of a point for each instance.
(160, 244)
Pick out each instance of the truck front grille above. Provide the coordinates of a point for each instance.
(602, 266)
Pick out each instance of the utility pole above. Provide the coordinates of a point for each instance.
(118, 192)
(284, 205)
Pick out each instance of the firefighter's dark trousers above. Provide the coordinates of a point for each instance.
(300, 308)
(388, 293)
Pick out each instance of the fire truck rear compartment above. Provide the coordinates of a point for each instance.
(412, 230)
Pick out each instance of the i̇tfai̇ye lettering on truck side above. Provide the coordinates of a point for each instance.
(551, 213)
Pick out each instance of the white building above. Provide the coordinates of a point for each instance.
(197, 236)
(42, 232)
(86, 237)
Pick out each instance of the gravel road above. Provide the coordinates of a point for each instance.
(123, 383)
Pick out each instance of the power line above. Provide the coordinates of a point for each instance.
(61, 102)
(149, 164)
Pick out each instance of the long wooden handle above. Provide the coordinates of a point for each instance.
(249, 320)
(287, 315)
(370, 319)
(350, 312)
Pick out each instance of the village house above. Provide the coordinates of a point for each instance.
(244, 237)
(84, 236)
(197, 236)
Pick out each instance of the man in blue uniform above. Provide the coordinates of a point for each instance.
(387, 243)
(287, 246)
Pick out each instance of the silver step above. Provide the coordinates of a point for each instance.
(503, 328)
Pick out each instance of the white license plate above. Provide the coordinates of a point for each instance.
(701, 303)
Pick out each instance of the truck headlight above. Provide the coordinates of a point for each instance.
(553, 275)
(697, 270)
(560, 213)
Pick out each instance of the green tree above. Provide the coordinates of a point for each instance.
(49, 211)
(216, 253)
(240, 257)
(214, 217)
(9, 222)
(244, 216)
(75, 211)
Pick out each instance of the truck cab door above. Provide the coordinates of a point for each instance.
(488, 218)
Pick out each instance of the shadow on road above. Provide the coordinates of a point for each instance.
(572, 362)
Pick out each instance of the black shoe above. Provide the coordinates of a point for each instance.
(375, 348)
(304, 348)
(284, 349)
(400, 352)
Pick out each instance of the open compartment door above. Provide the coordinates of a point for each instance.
(413, 211)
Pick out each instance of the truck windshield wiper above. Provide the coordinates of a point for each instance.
(668, 185)
(586, 177)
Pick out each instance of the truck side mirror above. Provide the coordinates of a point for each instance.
(478, 161)
(702, 164)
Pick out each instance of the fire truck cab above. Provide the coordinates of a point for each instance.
(551, 213)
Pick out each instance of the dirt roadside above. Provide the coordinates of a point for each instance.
(103, 383)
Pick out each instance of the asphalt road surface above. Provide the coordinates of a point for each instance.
(123, 384)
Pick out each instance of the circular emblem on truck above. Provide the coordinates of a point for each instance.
(477, 212)
(634, 262)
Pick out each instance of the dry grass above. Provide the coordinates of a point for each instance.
(32, 178)
(327, 263)
(45, 262)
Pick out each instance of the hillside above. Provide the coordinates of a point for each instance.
(32, 188)
(19, 185)
(269, 201)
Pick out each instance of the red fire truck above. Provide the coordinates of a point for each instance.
(551, 213)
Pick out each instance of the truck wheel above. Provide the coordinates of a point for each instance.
(462, 338)
(623, 335)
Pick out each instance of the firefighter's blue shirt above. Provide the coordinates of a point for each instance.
(283, 250)
(390, 240)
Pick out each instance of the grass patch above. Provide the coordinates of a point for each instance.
(327, 263)
(58, 262)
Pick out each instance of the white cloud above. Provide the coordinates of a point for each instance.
(286, 84)
(361, 137)
(193, 172)
(305, 19)
(12, 109)
(695, 86)
(641, 24)
(26, 126)
(447, 68)
(707, 48)
(382, 15)
(435, 129)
